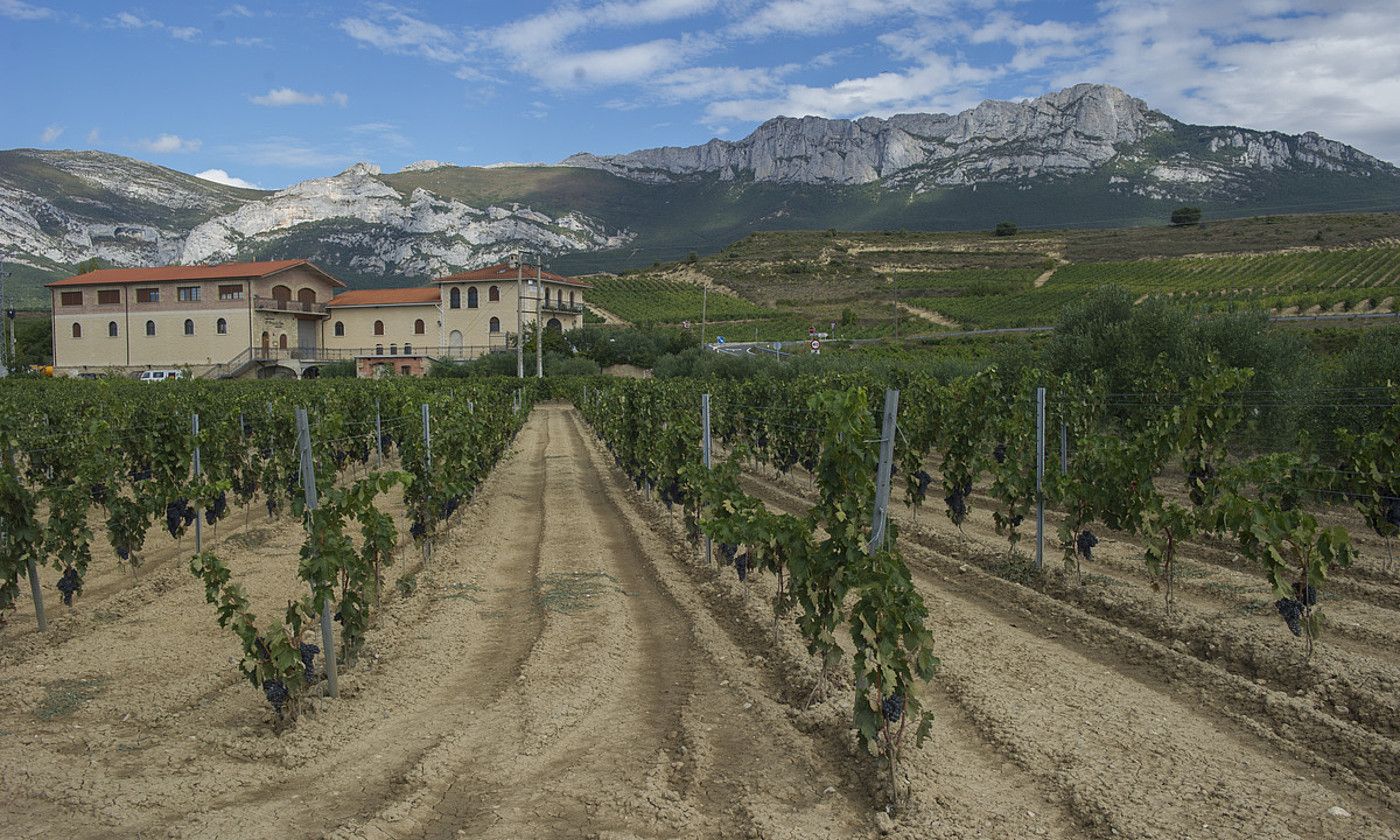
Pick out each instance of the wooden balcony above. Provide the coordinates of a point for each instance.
(296, 307)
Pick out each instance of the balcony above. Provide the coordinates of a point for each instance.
(267, 304)
(561, 306)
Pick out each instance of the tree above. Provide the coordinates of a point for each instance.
(1005, 229)
(1186, 216)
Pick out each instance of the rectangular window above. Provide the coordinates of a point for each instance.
(72, 298)
(230, 293)
(109, 296)
(148, 295)
(189, 293)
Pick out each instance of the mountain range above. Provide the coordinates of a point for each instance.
(1089, 155)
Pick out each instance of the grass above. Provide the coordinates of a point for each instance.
(573, 592)
(64, 697)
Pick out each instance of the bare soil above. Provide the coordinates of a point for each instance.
(570, 666)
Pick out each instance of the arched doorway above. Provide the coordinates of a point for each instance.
(553, 324)
(306, 295)
(282, 341)
(281, 293)
(266, 341)
(454, 342)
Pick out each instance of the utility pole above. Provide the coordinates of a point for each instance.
(539, 317)
(704, 305)
(519, 316)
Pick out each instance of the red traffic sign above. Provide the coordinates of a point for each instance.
(816, 344)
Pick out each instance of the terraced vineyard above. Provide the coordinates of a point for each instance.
(655, 300)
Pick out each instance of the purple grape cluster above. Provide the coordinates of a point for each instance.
(1292, 611)
(308, 660)
(1085, 543)
(70, 584)
(277, 694)
(893, 707)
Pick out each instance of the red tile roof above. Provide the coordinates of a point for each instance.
(381, 297)
(227, 271)
(503, 271)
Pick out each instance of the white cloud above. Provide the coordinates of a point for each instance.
(236, 10)
(128, 20)
(340, 99)
(50, 134)
(19, 10)
(169, 144)
(395, 31)
(94, 136)
(219, 176)
(284, 97)
(183, 33)
(811, 17)
(621, 65)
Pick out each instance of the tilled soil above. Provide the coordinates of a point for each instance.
(569, 666)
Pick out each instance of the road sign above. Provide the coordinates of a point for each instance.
(719, 339)
(816, 345)
(685, 325)
(777, 345)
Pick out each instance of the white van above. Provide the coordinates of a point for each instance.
(160, 375)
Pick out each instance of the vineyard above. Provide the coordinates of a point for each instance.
(818, 607)
(653, 300)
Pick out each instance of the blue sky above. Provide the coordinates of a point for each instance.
(270, 94)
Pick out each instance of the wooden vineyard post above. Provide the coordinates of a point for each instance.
(378, 434)
(1039, 477)
(308, 485)
(38, 594)
(198, 472)
(705, 452)
(428, 472)
(879, 517)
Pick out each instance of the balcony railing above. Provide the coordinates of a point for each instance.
(388, 351)
(561, 306)
(268, 304)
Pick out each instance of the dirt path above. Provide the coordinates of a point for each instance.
(608, 317)
(551, 676)
(930, 316)
(1118, 724)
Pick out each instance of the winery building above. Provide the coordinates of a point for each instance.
(289, 317)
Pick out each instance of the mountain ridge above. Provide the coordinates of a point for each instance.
(1085, 154)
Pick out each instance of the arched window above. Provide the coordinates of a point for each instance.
(546, 296)
(189, 327)
(112, 329)
(419, 328)
(221, 327)
(553, 324)
(571, 297)
(282, 341)
(77, 330)
(471, 297)
(340, 328)
(493, 294)
(150, 328)
(306, 295)
(495, 325)
(378, 327)
(281, 293)
(454, 298)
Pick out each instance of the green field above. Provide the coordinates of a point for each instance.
(644, 299)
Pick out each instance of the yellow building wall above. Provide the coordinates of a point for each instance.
(398, 322)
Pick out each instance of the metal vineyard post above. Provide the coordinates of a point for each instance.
(308, 484)
(1039, 477)
(880, 514)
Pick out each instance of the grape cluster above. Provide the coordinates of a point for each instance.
(1392, 511)
(741, 565)
(1305, 594)
(1085, 543)
(70, 584)
(99, 493)
(386, 442)
(809, 463)
(727, 552)
(999, 453)
(271, 507)
(924, 480)
(957, 503)
(277, 694)
(672, 494)
(1197, 479)
(1292, 611)
(178, 514)
(247, 428)
(123, 552)
(141, 474)
(418, 530)
(450, 506)
(1016, 520)
(308, 659)
(893, 707)
(216, 511)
